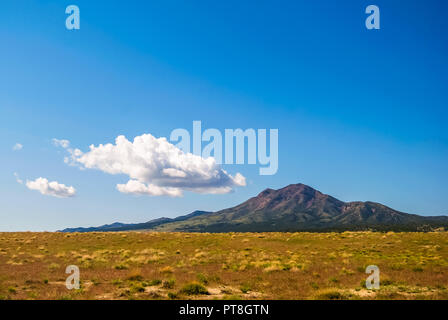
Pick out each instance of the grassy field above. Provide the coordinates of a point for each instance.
(139, 265)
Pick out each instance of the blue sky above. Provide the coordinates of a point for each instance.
(361, 113)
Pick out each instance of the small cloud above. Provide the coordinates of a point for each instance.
(17, 147)
(52, 188)
(61, 143)
(17, 178)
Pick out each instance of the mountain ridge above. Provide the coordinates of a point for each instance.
(118, 226)
(296, 207)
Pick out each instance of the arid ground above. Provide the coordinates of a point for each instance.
(152, 265)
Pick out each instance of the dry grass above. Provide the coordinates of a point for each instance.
(151, 265)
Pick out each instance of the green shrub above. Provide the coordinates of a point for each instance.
(202, 278)
(154, 282)
(194, 288)
(135, 275)
(137, 287)
(386, 282)
(168, 284)
(245, 288)
(172, 295)
(117, 282)
(121, 267)
(330, 294)
(333, 280)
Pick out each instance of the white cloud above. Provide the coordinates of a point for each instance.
(61, 143)
(17, 147)
(18, 178)
(66, 145)
(156, 167)
(136, 187)
(53, 188)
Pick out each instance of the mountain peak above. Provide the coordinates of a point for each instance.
(297, 187)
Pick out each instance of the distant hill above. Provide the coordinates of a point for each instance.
(296, 207)
(117, 226)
